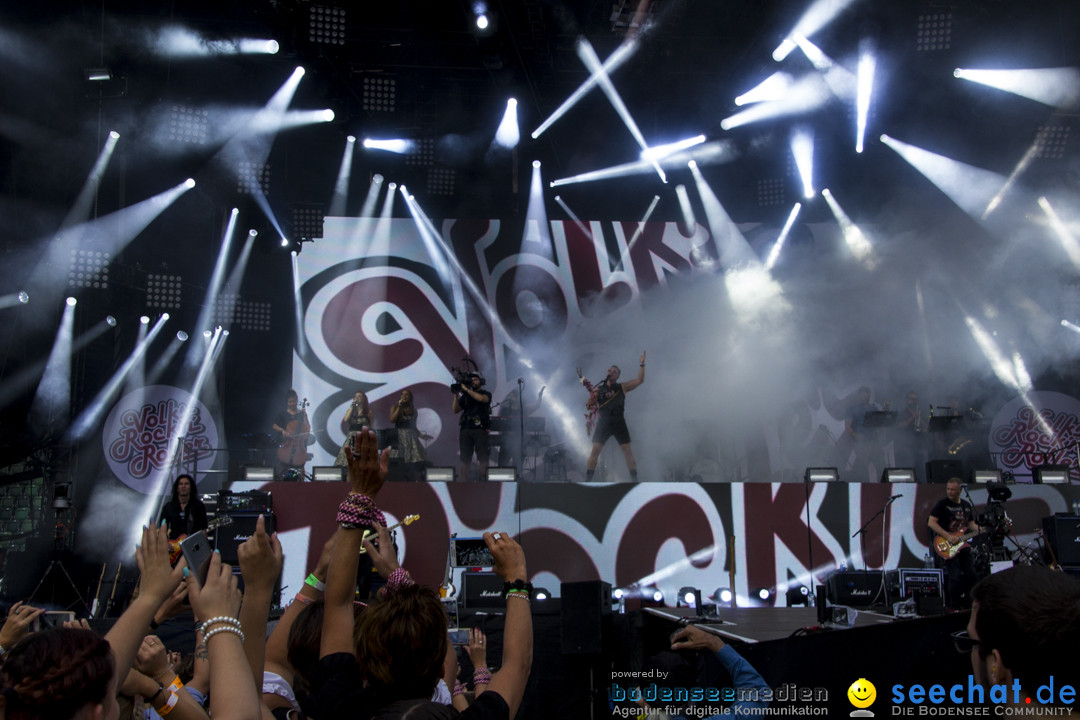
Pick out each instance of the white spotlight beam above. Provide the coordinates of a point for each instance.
(622, 53)
(466, 280)
(341, 186)
(807, 94)
(734, 251)
(840, 80)
(108, 233)
(865, 88)
(637, 233)
(1055, 87)
(856, 241)
(214, 288)
(508, 134)
(399, 146)
(180, 43)
(298, 307)
(802, 148)
(659, 152)
(14, 299)
(592, 63)
(151, 508)
(774, 87)
(774, 254)
(1071, 326)
(537, 230)
(1068, 241)
(687, 209)
(51, 407)
(91, 414)
(428, 234)
(80, 209)
(817, 16)
(971, 188)
(577, 221)
(707, 154)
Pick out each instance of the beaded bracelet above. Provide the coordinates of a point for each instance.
(221, 619)
(223, 628)
(459, 689)
(481, 676)
(315, 582)
(519, 596)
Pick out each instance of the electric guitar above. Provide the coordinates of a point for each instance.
(409, 520)
(592, 410)
(947, 550)
(174, 545)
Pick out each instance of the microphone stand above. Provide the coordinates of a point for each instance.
(521, 429)
(862, 530)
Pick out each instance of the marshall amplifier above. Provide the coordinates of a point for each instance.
(482, 591)
(1063, 534)
(229, 537)
(854, 588)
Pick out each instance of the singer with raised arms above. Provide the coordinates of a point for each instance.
(608, 401)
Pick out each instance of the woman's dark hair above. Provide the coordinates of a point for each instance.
(305, 636)
(176, 485)
(53, 674)
(401, 643)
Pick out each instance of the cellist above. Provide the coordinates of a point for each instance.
(293, 427)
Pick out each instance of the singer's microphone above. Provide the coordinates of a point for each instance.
(895, 497)
(520, 381)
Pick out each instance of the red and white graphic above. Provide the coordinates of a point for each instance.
(1041, 428)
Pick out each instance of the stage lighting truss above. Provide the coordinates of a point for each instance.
(628, 19)
(307, 221)
(422, 153)
(326, 25)
(771, 191)
(933, 31)
(189, 125)
(379, 94)
(22, 506)
(89, 269)
(1051, 141)
(250, 175)
(252, 315)
(440, 181)
(163, 292)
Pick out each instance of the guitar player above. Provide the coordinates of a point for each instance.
(185, 513)
(951, 518)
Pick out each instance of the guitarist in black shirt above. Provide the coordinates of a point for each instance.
(952, 521)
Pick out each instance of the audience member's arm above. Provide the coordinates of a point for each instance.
(277, 646)
(367, 473)
(232, 694)
(17, 625)
(157, 582)
(509, 682)
(477, 649)
(260, 563)
(200, 669)
(152, 678)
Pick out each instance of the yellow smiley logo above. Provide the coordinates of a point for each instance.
(862, 693)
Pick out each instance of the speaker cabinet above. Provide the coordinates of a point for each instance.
(586, 609)
(940, 471)
(854, 588)
(482, 591)
(1063, 533)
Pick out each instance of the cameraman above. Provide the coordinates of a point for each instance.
(474, 404)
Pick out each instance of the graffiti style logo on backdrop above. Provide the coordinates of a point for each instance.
(1041, 430)
(143, 427)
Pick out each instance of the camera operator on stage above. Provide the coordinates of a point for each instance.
(474, 404)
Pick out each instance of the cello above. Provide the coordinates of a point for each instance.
(293, 449)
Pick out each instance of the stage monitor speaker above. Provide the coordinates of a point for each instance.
(327, 473)
(941, 471)
(854, 588)
(586, 607)
(229, 537)
(1063, 533)
(258, 473)
(482, 591)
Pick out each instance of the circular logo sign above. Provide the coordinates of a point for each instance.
(1041, 429)
(144, 426)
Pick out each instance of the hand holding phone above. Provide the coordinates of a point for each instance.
(197, 551)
